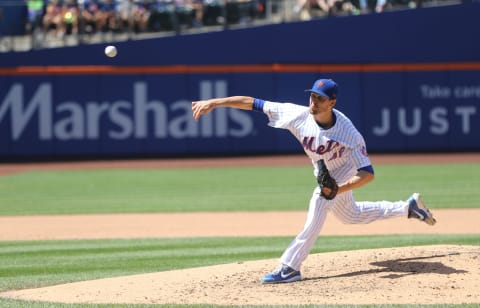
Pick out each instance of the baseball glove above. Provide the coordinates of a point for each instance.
(328, 185)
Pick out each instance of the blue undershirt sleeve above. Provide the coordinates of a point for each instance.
(258, 104)
(368, 168)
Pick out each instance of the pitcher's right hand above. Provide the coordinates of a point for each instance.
(200, 108)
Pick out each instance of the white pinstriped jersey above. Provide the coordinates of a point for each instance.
(341, 146)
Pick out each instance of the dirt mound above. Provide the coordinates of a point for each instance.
(410, 275)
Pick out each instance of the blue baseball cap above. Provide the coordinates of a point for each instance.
(325, 87)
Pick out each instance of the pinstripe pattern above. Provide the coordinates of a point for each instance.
(349, 211)
(299, 248)
(344, 151)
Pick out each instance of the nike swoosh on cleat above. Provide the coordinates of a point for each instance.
(422, 217)
(287, 275)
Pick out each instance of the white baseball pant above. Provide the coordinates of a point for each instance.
(347, 210)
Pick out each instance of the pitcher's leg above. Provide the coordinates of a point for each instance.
(349, 211)
(300, 247)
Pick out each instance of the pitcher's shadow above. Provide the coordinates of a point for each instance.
(402, 267)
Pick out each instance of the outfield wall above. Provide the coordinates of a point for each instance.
(411, 83)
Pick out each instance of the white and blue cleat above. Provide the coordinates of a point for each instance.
(282, 274)
(417, 210)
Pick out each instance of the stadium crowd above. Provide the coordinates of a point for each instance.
(65, 17)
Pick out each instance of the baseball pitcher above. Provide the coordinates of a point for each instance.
(340, 161)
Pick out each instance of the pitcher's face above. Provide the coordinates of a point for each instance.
(319, 104)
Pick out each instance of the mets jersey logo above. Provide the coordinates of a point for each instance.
(363, 150)
(308, 145)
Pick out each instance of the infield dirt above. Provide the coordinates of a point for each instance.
(410, 275)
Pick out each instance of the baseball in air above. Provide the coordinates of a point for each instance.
(111, 51)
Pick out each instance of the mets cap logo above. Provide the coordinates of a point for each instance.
(320, 84)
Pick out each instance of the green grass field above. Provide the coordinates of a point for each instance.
(26, 264)
(222, 189)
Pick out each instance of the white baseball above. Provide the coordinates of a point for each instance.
(110, 51)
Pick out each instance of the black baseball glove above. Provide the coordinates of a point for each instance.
(328, 185)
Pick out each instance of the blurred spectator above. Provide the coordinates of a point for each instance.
(197, 6)
(305, 8)
(140, 15)
(124, 13)
(379, 6)
(35, 14)
(91, 16)
(108, 19)
(188, 13)
(71, 16)
(53, 18)
(241, 11)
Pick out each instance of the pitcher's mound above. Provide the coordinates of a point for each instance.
(409, 275)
